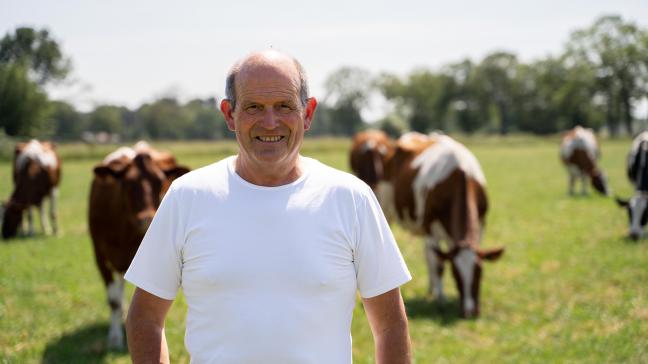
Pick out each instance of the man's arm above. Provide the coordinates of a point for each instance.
(145, 328)
(388, 321)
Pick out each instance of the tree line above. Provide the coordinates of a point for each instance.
(598, 80)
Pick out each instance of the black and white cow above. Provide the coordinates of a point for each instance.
(638, 176)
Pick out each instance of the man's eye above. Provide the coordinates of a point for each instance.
(285, 109)
(253, 109)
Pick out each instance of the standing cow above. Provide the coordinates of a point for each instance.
(637, 170)
(434, 187)
(126, 191)
(579, 151)
(36, 174)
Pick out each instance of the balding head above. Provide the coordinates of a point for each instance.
(267, 59)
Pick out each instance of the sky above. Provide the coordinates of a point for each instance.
(132, 52)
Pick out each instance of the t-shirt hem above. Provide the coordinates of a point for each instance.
(162, 293)
(386, 287)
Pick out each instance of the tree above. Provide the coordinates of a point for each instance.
(106, 118)
(163, 119)
(496, 79)
(423, 98)
(36, 51)
(464, 101)
(23, 105)
(68, 123)
(347, 92)
(28, 60)
(613, 50)
(207, 122)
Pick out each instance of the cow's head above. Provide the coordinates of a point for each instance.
(11, 214)
(370, 151)
(637, 213)
(466, 265)
(143, 185)
(599, 182)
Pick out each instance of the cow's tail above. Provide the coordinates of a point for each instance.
(473, 228)
(466, 226)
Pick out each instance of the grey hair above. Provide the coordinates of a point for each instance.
(230, 83)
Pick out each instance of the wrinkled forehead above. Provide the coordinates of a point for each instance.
(278, 78)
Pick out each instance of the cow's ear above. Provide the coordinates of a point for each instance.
(621, 202)
(114, 171)
(175, 172)
(490, 254)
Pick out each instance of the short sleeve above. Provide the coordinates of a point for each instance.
(156, 267)
(378, 262)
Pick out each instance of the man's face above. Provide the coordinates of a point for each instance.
(269, 118)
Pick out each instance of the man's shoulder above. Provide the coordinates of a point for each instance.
(334, 178)
(207, 176)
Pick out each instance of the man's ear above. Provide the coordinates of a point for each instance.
(227, 110)
(311, 105)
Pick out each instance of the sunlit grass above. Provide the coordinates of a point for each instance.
(569, 288)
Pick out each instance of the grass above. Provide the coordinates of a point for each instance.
(569, 289)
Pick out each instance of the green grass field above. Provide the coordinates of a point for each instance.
(569, 289)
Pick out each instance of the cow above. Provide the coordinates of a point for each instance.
(579, 151)
(434, 187)
(36, 175)
(126, 190)
(637, 170)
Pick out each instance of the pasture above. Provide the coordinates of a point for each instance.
(569, 289)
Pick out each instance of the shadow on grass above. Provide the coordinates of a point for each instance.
(86, 345)
(444, 313)
(24, 238)
(628, 240)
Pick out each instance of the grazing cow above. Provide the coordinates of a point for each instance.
(579, 151)
(126, 191)
(637, 170)
(36, 174)
(434, 187)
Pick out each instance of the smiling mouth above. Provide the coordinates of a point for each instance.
(270, 139)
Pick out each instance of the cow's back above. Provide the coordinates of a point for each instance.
(579, 148)
(453, 186)
(37, 170)
(432, 179)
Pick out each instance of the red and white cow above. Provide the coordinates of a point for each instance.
(637, 170)
(126, 191)
(579, 151)
(36, 174)
(434, 187)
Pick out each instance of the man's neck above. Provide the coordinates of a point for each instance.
(274, 176)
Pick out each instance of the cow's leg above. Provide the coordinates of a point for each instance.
(30, 221)
(52, 211)
(572, 182)
(43, 219)
(115, 299)
(583, 178)
(114, 289)
(435, 268)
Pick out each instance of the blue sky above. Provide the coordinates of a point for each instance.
(130, 52)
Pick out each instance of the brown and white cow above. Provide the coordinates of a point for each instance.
(126, 191)
(434, 187)
(579, 151)
(637, 170)
(36, 175)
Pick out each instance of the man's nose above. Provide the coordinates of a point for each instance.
(270, 119)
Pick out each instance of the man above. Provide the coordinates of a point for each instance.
(269, 247)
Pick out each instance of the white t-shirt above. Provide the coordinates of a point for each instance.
(269, 273)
